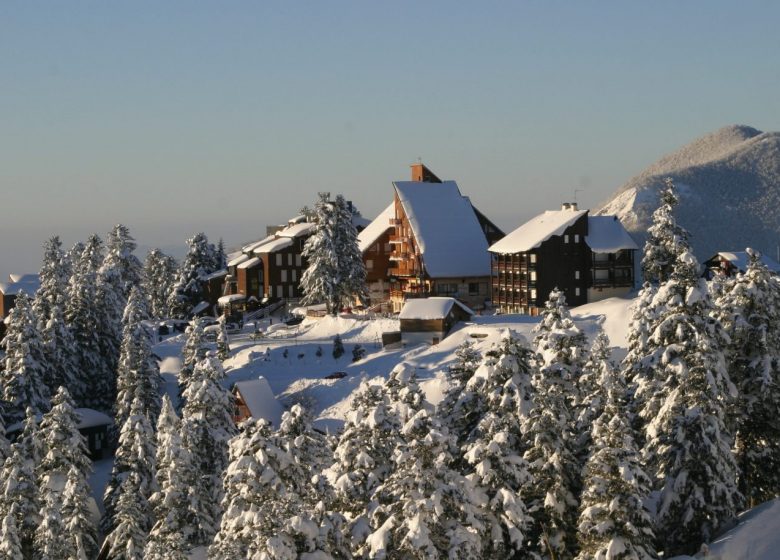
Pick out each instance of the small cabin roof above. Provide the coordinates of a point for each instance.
(88, 418)
(224, 300)
(376, 228)
(741, 259)
(260, 400)
(18, 283)
(432, 308)
(537, 230)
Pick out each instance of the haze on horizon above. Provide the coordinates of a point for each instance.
(179, 117)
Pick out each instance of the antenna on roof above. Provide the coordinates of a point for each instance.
(419, 159)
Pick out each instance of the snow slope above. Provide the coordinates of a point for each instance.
(729, 185)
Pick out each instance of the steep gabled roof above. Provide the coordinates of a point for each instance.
(376, 228)
(537, 230)
(426, 309)
(445, 228)
(741, 259)
(27, 283)
(607, 235)
(260, 400)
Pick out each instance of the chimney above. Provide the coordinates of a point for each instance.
(421, 174)
(569, 206)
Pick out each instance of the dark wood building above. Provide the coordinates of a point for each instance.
(429, 320)
(728, 263)
(587, 257)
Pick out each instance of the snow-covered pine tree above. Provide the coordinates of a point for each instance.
(60, 352)
(363, 455)
(614, 522)
(750, 313)
(128, 538)
(338, 347)
(19, 483)
(63, 449)
(10, 543)
(494, 449)
(220, 257)
(549, 435)
(22, 378)
(138, 375)
(425, 508)
(194, 350)
(82, 316)
(223, 344)
(187, 290)
(467, 359)
(159, 275)
(590, 390)
(351, 267)
(207, 426)
(688, 446)
(171, 530)
(636, 368)
(53, 278)
(80, 532)
(666, 238)
(120, 263)
(135, 456)
(320, 281)
(5, 446)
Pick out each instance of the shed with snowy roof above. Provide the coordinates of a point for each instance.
(587, 257)
(92, 424)
(254, 399)
(429, 320)
(729, 263)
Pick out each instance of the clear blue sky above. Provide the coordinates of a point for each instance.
(180, 116)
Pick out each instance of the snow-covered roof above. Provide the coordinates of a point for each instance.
(607, 235)
(88, 418)
(446, 229)
(217, 274)
(296, 230)
(260, 400)
(376, 228)
(740, 260)
(238, 260)
(224, 300)
(537, 230)
(202, 306)
(27, 283)
(255, 244)
(273, 245)
(425, 309)
(254, 261)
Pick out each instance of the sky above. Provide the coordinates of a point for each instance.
(183, 116)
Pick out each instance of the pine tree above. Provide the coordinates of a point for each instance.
(750, 313)
(159, 275)
(19, 483)
(425, 508)
(53, 278)
(614, 522)
(223, 345)
(82, 316)
(207, 425)
(551, 445)
(320, 280)
(23, 377)
(5, 446)
(351, 267)
(194, 350)
(666, 241)
(171, 530)
(135, 457)
(358, 353)
(688, 446)
(591, 395)
(120, 263)
(128, 539)
(338, 347)
(138, 375)
(460, 424)
(63, 449)
(637, 366)
(10, 544)
(494, 452)
(60, 352)
(79, 528)
(220, 257)
(187, 289)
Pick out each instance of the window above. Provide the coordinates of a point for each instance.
(533, 258)
(533, 276)
(289, 259)
(294, 275)
(533, 294)
(565, 238)
(473, 288)
(576, 274)
(576, 238)
(369, 264)
(284, 276)
(576, 291)
(278, 259)
(388, 248)
(280, 291)
(446, 289)
(290, 290)
(297, 260)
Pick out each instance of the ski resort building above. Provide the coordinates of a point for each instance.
(589, 258)
(429, 320)
(431, 241)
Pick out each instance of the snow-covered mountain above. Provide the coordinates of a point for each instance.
(729, 186)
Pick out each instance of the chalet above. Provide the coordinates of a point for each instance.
(92, 424)
(431, 319)
(430, 241)
(254, 399)
(588, 257)
(730, 263)
(17, 283)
